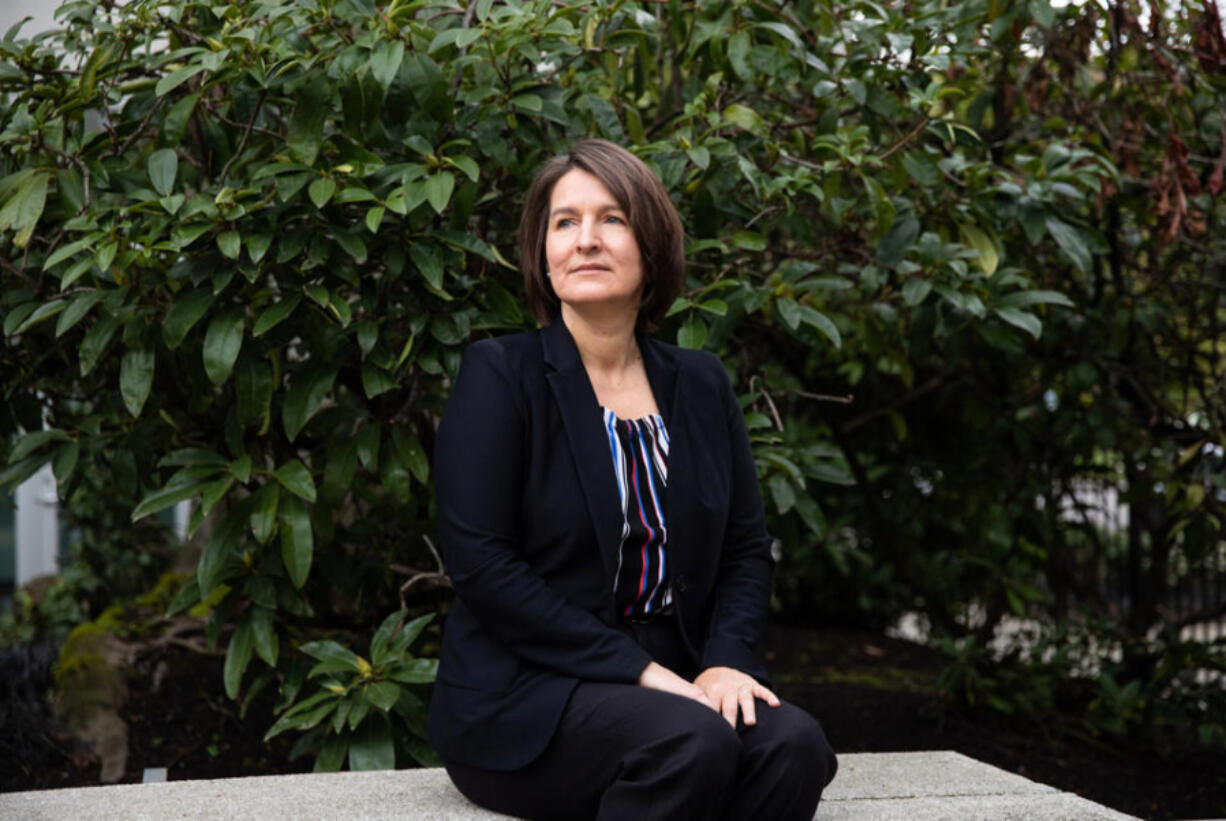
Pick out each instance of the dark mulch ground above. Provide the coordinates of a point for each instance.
(872, 694)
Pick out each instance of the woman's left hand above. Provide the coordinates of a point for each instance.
(731, 690)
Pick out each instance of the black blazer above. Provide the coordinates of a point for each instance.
(528, 522)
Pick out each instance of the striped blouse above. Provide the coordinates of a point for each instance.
(640, 462)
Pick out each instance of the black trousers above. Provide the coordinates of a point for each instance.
(627, 752)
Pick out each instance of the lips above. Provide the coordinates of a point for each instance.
(589, 269)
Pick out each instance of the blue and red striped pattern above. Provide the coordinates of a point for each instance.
(640, 459)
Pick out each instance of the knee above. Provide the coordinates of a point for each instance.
(710, 746)
(715, 742)
(800, 741)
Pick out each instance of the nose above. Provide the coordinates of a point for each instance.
(589, 235)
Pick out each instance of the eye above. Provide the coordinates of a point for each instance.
(564, 222)
(616, 219)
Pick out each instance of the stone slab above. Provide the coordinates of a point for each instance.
(877, 786)
(1053, 806)
(920, 775)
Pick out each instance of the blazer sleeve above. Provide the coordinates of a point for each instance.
(743, 586)
(479, 470)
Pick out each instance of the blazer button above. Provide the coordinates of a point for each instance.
(679, 583)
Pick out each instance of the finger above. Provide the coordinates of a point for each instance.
(766, 695)
(730, 708)
(747, 709)
(697, 693)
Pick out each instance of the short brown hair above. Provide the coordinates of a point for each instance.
(639, 192)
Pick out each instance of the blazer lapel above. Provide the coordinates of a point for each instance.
(586, 435)
(668, 384)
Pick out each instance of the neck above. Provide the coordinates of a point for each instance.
(605, 341)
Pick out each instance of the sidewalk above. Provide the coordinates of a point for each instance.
(877, 786)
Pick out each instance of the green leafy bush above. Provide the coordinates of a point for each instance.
(350, 688)
(242, 246)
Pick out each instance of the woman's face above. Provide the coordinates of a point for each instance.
(592, 256)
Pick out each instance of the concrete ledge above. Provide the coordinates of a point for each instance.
(878, 786)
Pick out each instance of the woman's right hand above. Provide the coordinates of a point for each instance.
(658, 677)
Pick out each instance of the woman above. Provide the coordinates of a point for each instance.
(601, 520)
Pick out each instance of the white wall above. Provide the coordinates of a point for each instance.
(43, 12)
(36, 529)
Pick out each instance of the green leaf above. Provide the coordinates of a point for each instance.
(411, 453)
(426, 258)
(274, 313)
(264, 635)
(65, 462)
(381, 694)
(749, 240)
(229, 243)
(383, 637)
(372, 748)
(789, 312)
(297, 541)
(238, 655)
(466, 164)
(334, 749)
(183, 314)
(80, 305)
(222, 343)
(23, 210)
(438, 190)
(136, 378)
(321, 191)
(240, 468)
(1021, 299)
(375, 380)
(306, 126)
(257, 245)
(253, 390)
(745, 117)
(978, 239)
(71, 249)
(176, 78)
(42, 312)
(401, 641)
(222, 545)
(33, 441)
(416, 671)
(332, 652)
(738, 56)
(295, 478)
(352, 245)
(193, 456)
(188, 595)
(385, 61)
(264, 511)
(166, 497)
(893, 246)
(95, 342)
(693, 333)
(213, 492)
(367, 441)
(163, 166)
(18, 315)
(105, 256)
(374, 217)
(1071, 243)
(914, 291)
(822, 323)
(1028, 322)
(304, 398)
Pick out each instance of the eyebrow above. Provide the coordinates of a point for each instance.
(567, 209)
